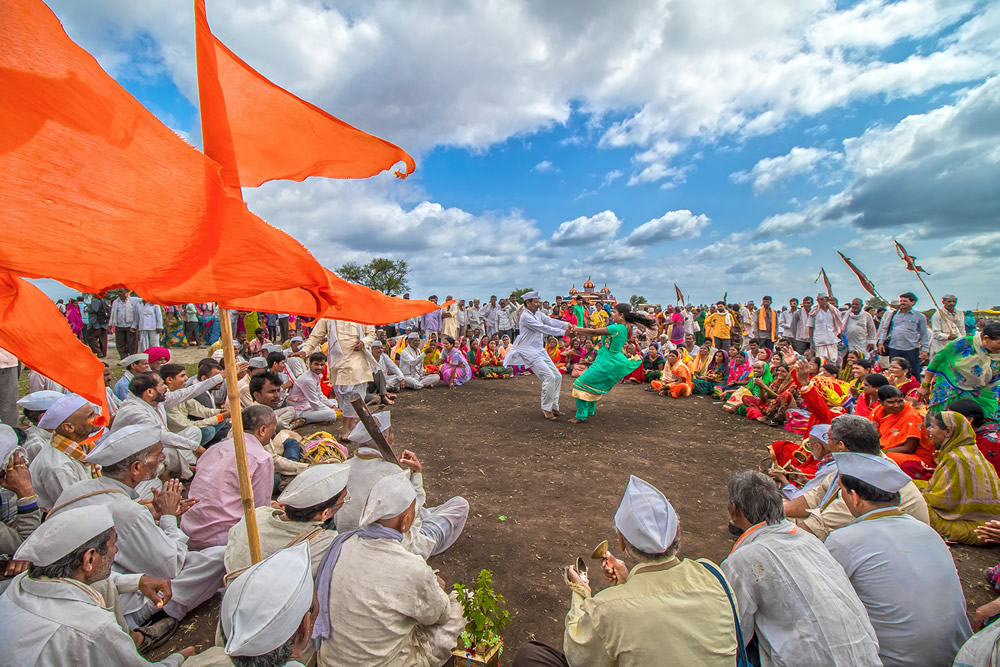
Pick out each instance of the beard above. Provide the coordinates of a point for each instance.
(160, 397)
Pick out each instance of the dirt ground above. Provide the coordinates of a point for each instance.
(543, 493)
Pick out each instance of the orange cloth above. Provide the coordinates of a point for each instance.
(34, 331)
(85, 168)
(894, 430)
(260, 132)
(770, 327)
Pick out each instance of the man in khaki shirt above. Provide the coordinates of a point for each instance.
(348, 362)
(664, 611)
(820, 510)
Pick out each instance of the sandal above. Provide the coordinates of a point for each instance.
(156, 634)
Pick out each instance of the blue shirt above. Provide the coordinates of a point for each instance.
(909, 331)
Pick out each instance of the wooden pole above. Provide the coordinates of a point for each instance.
(239, 444)
(372, 427)
(944, 317)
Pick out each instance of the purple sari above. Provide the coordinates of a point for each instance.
(455, 369)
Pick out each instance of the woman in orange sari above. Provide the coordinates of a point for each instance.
(555, 353)
(677, 381)
(902, 433)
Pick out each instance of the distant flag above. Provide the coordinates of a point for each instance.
(680, 296)
(826, 281)
(725, 298)
(867, 284)
(911, 261)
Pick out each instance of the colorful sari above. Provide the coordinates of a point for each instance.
(713, 376)
(762, 405)
(679, 371)
(609, 367)
(431, 358)
(894, 430)
(555, 354)
(490, 367)
(964, 491)
(965, 369)
(455, 369)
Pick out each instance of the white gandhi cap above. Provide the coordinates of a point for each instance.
(59, 411)
(880, 472)
(645, 518)
(123, 443)
(61, 533)
(316, 484)
(390, 497)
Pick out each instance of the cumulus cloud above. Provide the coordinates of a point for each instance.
(587, 230)
(544, 166)
(671, 226)
(769, 172)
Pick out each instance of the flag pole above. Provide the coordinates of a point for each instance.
(947, 321)
(239, 444)
(911, 264)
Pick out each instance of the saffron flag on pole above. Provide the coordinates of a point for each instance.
(34, 331)
(260, 132)
(867, 284)
(826, 282)
(911, 261)
(103, 195)
(677, 290)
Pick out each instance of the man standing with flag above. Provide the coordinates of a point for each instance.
(906, 335)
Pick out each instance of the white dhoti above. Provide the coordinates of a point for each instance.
(421, 382)
(344, 392)
(828, 351)
(197, 581)
(551, 379)
(179, 461)
(285, 416)
(444, 523)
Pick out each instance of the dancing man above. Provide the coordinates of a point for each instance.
(611, 364)
(528, 349)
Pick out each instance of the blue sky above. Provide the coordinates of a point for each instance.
(724, 146)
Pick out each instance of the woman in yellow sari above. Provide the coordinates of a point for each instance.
(433, 354)
(555, 353)
(964, 491)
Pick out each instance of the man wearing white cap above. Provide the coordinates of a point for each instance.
(901, 569)
(216, 482)
(411, 363)
(794, 598)
(819, 509)
(528, 350)
(130, 456)
(400, 615)
(294, 364)
(62, 463)
(147, 403)
(388, 377)
(947, 324)
(255, 366)
(434, 529)
(678, 612)
(134, 364)
(63, 609)
(310, 501)
(34, 405)
(20, 496)
(348, 362)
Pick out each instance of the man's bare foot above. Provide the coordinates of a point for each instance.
(557, 413)
(386, 401)
(548, 415)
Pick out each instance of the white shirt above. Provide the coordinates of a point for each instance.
(134, 410)
(940, 330)
(411, 362)
(52, 472)
(306, 394)
(885, 559)
(389, 367)
(785, 323)
(529, 346)
(150, 317)
(794, 597)
(822, 323)
(123, 314)
(860, 331)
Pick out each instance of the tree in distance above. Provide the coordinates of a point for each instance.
(381, 273)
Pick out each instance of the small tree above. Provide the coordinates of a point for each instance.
(381, 273)
(518, 292)
(636, 299)
(875, 302)
(484, 615)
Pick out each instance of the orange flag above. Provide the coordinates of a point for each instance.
(97, 193)
(354, 303)
(260, 132)
(34, 331)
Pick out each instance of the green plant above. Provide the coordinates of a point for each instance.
(484, 614)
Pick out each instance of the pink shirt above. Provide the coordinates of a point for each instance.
(216, 485)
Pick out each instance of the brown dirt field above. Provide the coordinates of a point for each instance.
(558, 485)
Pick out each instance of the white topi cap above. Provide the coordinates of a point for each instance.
(645, 518)
(390, 497)
(63, 532)
(880, 472)
(316, 484)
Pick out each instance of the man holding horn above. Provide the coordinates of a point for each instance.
(528, 350)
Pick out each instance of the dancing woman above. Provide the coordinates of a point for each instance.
(611, 365)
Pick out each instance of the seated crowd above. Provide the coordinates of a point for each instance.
(892, 453)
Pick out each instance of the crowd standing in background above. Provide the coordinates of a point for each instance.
(888, 449)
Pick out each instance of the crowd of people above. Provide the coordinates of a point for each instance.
(890, 452)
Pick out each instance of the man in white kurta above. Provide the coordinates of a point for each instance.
(348, 362)
(859, 327)
(34, 405)
(434, 529)
(411, 363)
(901, 569)
(151, 408)
(528, 350)
(61, 464)
(394, 378)
(490, 316)
(792, 595)
(947, 324)
(294, 365)
(50, 622)
(150, 324)
(399, 614)
(449, 319)
(306, 394)
(146, 545)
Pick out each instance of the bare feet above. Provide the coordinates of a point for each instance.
(557, 413)
(548, 415)
(386, 401)
(574, 420)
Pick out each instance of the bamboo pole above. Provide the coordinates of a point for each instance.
(239, 444)
(951, 327)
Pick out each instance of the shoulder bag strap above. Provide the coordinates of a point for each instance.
(741, 651)
(86, 495)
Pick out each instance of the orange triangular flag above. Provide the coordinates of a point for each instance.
(28, 317)
(260, 132)
(352, 302)
(97, 193)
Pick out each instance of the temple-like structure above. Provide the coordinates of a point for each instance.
(591, 295)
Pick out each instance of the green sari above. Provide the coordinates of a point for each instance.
(965, 369)
(610, 366)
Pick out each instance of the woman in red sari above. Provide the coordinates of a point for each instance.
(769, 406)
(638, 375)
(555, 352)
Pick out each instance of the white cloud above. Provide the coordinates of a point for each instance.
(611, 177)
(670, 226)
(587, 230)
(769, 172)
(543, 167)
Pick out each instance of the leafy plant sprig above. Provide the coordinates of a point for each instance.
(484, 614)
